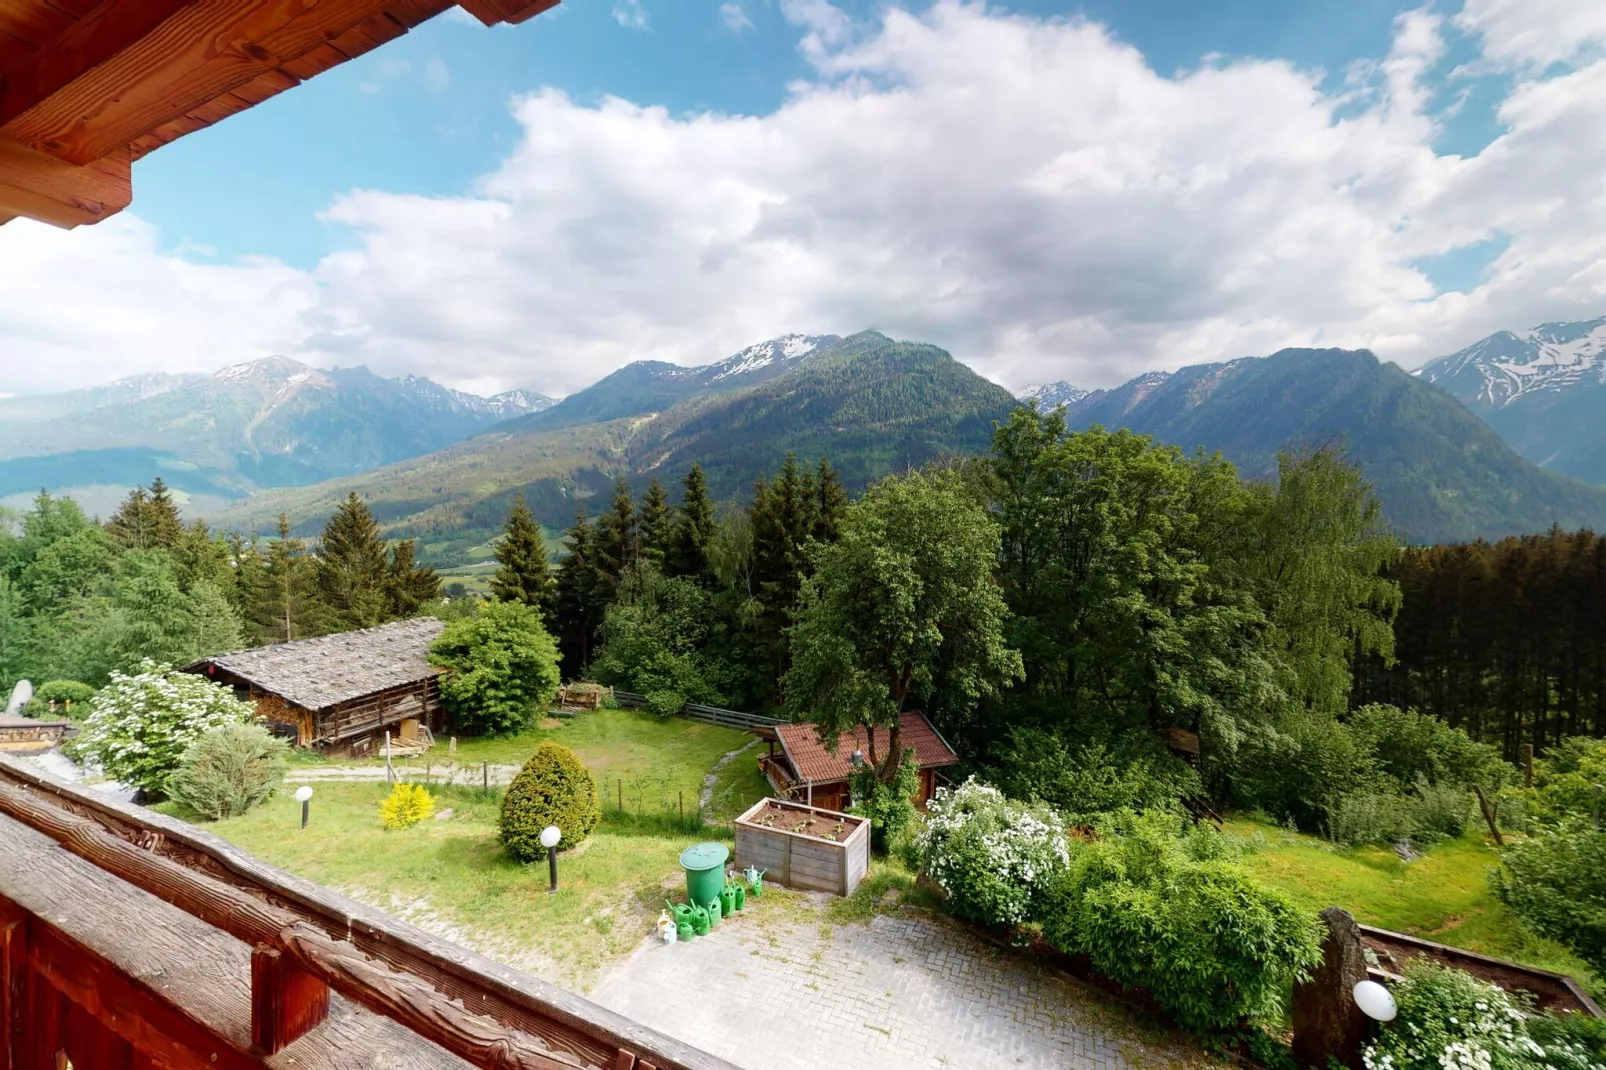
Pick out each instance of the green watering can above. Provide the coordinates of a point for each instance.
(700, 922)
(727, 900)
(755, 877)
(714, 912)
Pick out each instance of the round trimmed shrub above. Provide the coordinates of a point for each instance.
(230, 769)
(64, 693)
(553, 788)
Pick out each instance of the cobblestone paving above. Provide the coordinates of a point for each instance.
(900, 990)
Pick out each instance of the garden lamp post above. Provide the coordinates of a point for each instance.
(549, 839)
(858, 758)
(1375, 1001)
(304, 797)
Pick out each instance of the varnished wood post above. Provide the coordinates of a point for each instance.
(286, 1001)
(1527, 765)
(13, 988)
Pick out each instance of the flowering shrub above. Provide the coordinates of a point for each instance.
(140, 725)
(407, 804)
(1450, 1020)
(994, 858)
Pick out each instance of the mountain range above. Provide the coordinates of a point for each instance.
(277, 435)
(1543, 389)
(268, 423)
(1439, 472)
(868, 403)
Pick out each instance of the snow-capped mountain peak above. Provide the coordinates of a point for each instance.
(1507, 365)
(785, 350)
(1048, 395)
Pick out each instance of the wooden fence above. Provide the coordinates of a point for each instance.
(708, 714)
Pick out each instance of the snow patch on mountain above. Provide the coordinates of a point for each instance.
(787, 349)
(1507, 365)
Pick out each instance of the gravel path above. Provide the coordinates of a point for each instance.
(707, 798)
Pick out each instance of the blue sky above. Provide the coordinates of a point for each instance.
(429, 112)
(1050, 191)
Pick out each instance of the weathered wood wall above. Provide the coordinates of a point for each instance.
(804, 862)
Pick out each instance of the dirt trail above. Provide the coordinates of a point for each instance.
(707, 798)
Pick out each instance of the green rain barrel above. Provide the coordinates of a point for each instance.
(704, 864)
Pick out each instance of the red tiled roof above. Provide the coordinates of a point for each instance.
(811, 761)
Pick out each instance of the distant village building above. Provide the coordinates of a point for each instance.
(340, 693)
(806, 770)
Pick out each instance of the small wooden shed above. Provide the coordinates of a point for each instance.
(23, 735)
(807, 771)
(341, 692)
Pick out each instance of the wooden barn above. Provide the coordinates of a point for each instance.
(806, 771)
(342, 692)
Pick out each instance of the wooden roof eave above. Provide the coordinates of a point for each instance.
(81, 98)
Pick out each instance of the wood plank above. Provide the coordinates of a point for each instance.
(42, 187)
(108, 29)
(34, 23)
(204, 50)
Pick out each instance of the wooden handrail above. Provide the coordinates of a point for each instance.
(407, 999)
(559, 1018)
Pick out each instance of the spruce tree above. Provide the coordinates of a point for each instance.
(409, 585)
(288, 604)
(830, 502)
(693, 531)
(618, 541)
(783, 518)
(203, 557)
(353, 568)
(166, 526)
(130, 526)
(581, 593)
(523, 574)
(655, 525)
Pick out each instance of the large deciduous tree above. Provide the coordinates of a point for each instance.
(901, 608)
(501, 666)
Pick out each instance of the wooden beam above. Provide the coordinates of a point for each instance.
(111, 27)
(13, 985)
(202, 51)
(42, 187)
(286, 1001)
(492, 12)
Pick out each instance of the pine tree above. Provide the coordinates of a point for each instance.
(656, 523)
(783, 518)
(581, 596)
(288, 605)
(618, 542)
(203, 557)
(353, 568)
(693, 532)
(524, 574)
(409, 585)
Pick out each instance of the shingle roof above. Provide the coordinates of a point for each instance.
(812, 761)
(321, 672)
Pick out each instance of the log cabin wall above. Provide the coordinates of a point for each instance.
(344, 725)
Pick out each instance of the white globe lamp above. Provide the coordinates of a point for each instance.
(1375, 1001)
(304, 797)
(549, 839)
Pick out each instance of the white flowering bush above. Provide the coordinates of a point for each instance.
(1450, 1020)
(995, 858)
(140, 725)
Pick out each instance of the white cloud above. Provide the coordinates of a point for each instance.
(631, 15)
(1028, 194)
(734, 18)
(1536, 33)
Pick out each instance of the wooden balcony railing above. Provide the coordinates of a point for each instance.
(128, 939)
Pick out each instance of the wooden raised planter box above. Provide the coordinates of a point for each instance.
(805, 859)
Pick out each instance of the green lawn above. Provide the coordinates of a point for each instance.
(657, 761)
(1443, 896)
(450, 875)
